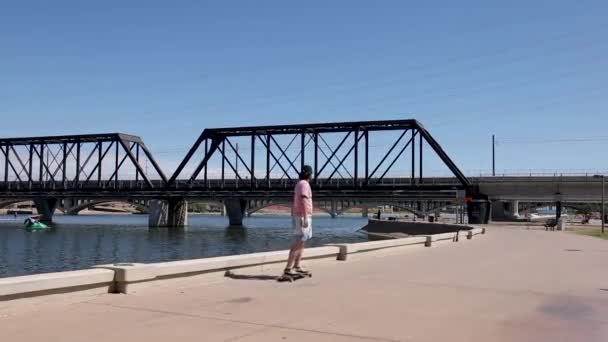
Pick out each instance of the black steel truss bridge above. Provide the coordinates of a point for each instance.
(242, 162)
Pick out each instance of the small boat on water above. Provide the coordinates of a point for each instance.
(33, 223)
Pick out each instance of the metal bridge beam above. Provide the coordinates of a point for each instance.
(61, 163)
(278, 152)
(78, 166)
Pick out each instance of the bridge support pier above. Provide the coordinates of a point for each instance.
(504, 211)
(478, 211)
(171, 213)
(68, 204)
(236, 210)
(158, 212)
(422, 210)
(46, 208)
(514, 208)
(365, 211)
(333, 209)
(497, 211)
(178, 213)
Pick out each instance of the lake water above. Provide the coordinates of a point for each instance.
(77, 242)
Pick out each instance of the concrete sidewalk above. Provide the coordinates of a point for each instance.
(509, 285)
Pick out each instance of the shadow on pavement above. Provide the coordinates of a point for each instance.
(231, 275)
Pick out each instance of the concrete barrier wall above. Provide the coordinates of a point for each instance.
(351, 248)
(477, 231)
(176, 268)
(131, 274)
(122, 277)
(444, 236)
(411, 228)
(58, 282)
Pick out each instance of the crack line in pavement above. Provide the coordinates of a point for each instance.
(362, 337)
(489, 289)
(249, 334)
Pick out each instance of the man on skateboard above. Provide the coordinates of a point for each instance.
(302, 223)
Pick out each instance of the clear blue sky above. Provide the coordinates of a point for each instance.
(528, 71)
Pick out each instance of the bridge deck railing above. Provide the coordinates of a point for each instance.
(246, 184)
(280, 184)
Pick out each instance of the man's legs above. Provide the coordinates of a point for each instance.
(306, 235)
(297, 248)
(295, 253)
(298, 255)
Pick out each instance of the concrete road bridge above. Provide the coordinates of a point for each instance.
(243, 167)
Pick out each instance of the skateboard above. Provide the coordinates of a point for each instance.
(292, 278)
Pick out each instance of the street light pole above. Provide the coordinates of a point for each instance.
(603, 205)
(603, 200)
(493, 156)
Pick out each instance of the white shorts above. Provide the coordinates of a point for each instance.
(301, 233)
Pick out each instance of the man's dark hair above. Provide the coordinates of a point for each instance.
(306, 172)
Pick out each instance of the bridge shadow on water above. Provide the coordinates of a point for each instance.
(236, 233)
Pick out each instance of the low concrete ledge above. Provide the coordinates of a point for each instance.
(477, 231)
(53, 283)
(444, 236)
(426, 240)
(130, 273)
(412, 228)
(184, 267)
(351, 248)
(133, 273)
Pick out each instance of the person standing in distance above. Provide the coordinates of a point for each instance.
(302, 222)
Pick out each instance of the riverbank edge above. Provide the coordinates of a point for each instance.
(127, 278)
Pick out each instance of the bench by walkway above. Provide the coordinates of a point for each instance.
(510, 285)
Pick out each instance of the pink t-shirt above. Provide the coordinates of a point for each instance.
(302, 199)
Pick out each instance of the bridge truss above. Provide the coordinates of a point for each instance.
(77, 163)
(270, 158)
(243, 162)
